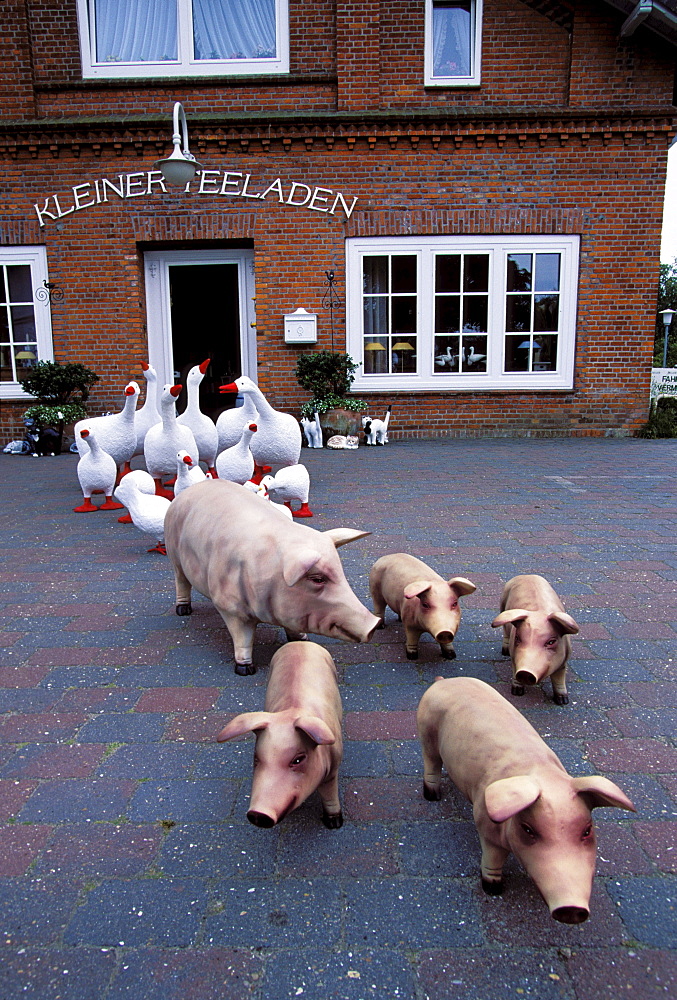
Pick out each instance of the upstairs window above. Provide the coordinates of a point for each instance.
(453, 35)
(153, 38)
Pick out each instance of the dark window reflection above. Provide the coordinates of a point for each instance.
(476, 272)
(448, 272)
(519, 272)
(546, 312)
(375, 272)
(404, 274)
(447, 313)
(518, 312)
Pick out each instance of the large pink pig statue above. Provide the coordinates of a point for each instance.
(424, 601)
(258, 566)
(523, 800)
(298, 736)
(536, 631)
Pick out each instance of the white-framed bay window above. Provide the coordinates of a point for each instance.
(25, 318)
(453, 43)
(462, 312)
(161, 38)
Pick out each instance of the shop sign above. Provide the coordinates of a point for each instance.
(663, 382)
(222, 183)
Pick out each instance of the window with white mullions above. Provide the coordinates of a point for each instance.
(461, 313)
(453, 33)
(532, 308)
(137, 38)
(25, 327)
(389, 284)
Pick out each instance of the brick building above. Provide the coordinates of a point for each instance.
(484, 178)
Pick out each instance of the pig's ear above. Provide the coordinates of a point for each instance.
(508, 796)
(416, 588)
(461, 585)
(601, 792)
(241, 724)
(510, 617)
(565, 622)
(317, 730)
(297, 563)
(341, 536)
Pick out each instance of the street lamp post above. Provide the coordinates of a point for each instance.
(180, 166)
(667, 315)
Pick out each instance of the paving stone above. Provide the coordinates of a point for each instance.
(178, 700)
(123, 727)
(638, 755)
(659, 840)
(195, 801)
(140, 761)
(318, 974)
(70, 760)
(218, 850)
(139, 913)
(490, 973)
(307, 848)
(36, 911)
(48, 727)
(55, 974)
(610, 973)
(100, 850)
(648, 908)
(207, 973)
(20, 845)
(13, 795)
(380, 725)
(76, 800)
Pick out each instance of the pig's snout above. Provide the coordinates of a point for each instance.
(260, 819)
(527, 677)
(354, 633)
(444, 638)
(570, 914)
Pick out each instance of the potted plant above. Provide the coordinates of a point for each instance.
(61, 392)
(328, 376)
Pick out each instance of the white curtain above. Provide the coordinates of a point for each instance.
(234, 29)
(451, 39)
(135, 30)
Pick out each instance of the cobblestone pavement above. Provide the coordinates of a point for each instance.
(128, 867)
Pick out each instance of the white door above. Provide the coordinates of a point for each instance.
(200, 304)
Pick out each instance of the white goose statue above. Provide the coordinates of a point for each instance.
(202, 426)
(237, 463)
(97, 472)
(147, 510)
(115, 432)
(165, 439)
(278, 439)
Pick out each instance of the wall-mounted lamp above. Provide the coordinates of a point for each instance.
(666, 315)
(180, 166)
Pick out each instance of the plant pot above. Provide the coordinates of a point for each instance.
(340, 421)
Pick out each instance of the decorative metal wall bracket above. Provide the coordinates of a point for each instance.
(331, 300)
(50, 292)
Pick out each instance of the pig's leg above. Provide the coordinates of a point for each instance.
(379, 604)
(332, 817)
(293, 636)
(493, 859)
(515, 688)
(411, 637)
(242, 633)
(432, 769)
(560, 695)
(183, 592)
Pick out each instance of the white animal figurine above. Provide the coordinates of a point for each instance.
(340, 442)
(231, 423)
(313, 431)
(97, 472)
(115, 431)
(278, 440)
(147, 510)
(291, 483)
(237, 463)
(376, 431)
(165, 439)
(148, 414)
(261, 491)
(187, 473)
(202, 426)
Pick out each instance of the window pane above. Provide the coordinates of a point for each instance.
(403, 318)
(519, 273)
(376, 356)
(234, 29)
(25, 356)
(452, 32)
(518, 312)
(474, 354)
(375, 315)
(19, 279)
(545, 353)
(3, 294)
(547, 272)
(6, 371)
(404, 356)
(23, 324)
(135, 30)
(375, 272)
(404, 274)
(4, 326)
(517, 350)
(448, 272)
(446, 354)
(447, 313)
(476, 272)
(546, 312)
(475, 312)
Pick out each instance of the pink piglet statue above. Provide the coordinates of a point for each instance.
(523, 799)
(298, 736)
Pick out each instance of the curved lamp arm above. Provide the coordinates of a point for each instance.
(180, 166)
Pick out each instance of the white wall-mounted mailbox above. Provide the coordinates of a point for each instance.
(300, 327)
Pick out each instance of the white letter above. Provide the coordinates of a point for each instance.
(319, 197)
(138, 183)
(204, 180)
(339, 198)
(43, 211)
(76, 196)
(275, 186)
(155, 177)
(293, 192)
(228, 183)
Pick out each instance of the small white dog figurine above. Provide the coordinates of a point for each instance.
(312, 431)
(376, 431)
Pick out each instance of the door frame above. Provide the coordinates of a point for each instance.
(158, 307)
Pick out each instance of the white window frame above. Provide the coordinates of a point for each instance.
(184, 65)
(474, 78)
(36, 257)
(498, 248)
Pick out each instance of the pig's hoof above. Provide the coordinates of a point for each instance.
(412, 654)
(332, 822)
(184, 609)
(449, 654)
(431, 794)
(517, 690)
(381, 624)
(560, 699)
(244, 669)
(492, 888)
